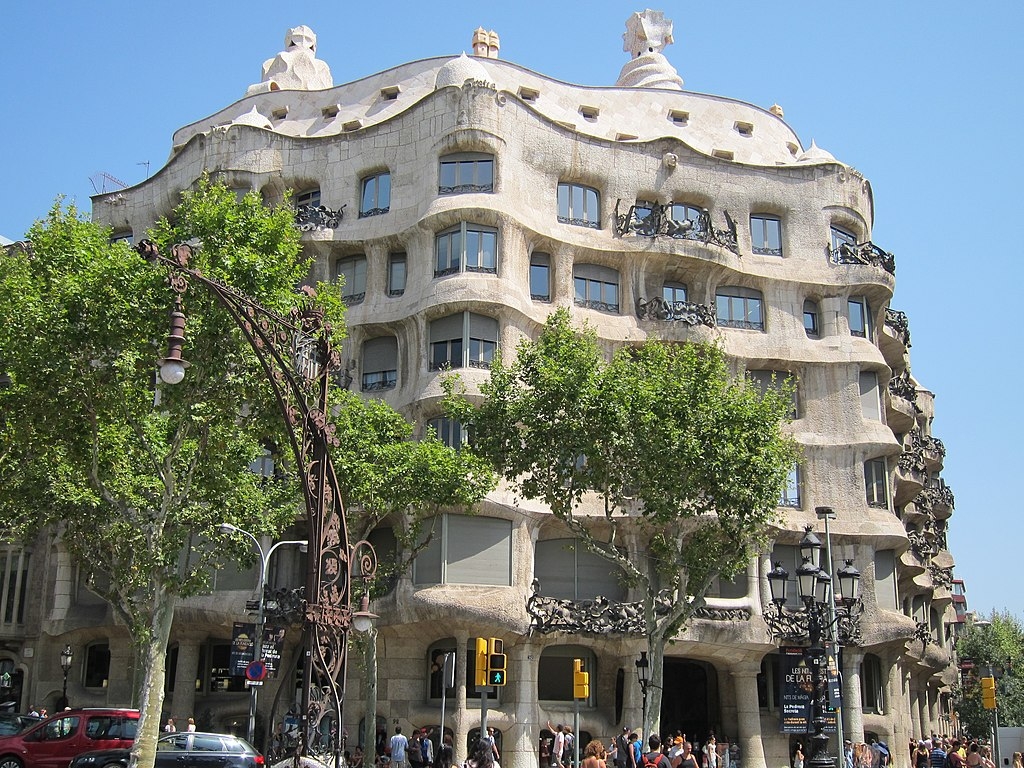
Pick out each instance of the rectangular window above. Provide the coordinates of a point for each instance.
(353, 271)
(872, 685)
(766, 235)
(811, 325)
(97, 665)
(466, 172)
(540, 277)
(673, 293)
(777, 380)
(376, 195)
(310, 197)
(396, 274)
(469, 248)
(870, 405)
(768, 683)
(737, 307)
(885, 580)
(857, 311)
(464, 331)
(841, 237)
(380, 364)
(876, 483)
(14, 573)
(788, 556)
(791, 493)
(466, 549)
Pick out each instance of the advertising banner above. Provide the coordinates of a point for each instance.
(242, 643)
(270, 652)
(796, 689)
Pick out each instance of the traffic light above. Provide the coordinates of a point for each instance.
(580, 680)
(496, 661)
(480, 678)
(988, 692)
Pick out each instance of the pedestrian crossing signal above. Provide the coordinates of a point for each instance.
(480, 673)
(580, 680)
(988, 692)
(496, 662)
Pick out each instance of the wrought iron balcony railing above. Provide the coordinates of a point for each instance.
(657, 308)
(863, 253)
(312, 217)
(655, 220)
(899, 324)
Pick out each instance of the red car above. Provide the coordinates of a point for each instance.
(56, 740)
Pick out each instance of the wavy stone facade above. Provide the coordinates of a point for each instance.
(464, 199)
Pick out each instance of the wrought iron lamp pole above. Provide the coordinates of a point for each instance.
(298, 360)
(643, 676)
(66, 657)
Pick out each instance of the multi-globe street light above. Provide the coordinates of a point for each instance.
(643, 677)
(816, 619)
(66, 657)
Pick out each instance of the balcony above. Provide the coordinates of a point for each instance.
(863, 253)
(657, 308)
(654, 220)
(311, 218)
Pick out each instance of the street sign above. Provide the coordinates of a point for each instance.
(253, 683)
(256, 671)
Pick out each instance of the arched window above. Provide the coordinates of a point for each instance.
(739, 307)
(554, 672)
(569, 571)
(812, 319)
(579, 205)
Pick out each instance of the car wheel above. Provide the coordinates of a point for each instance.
(108, 765)
(10, 762)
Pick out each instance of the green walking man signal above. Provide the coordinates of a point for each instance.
(496, 662)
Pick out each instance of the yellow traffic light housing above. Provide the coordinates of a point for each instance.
(480, 673)
(496, 662)
(988, 692)
(580, 680)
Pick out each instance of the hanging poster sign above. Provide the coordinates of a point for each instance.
(796, 688)
(243, 638)
(270, 651)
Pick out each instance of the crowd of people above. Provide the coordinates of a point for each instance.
(628, 751)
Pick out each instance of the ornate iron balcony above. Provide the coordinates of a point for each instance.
(654, 220)
(600, 306)
(310, 217)
(577, 222)
(793, 625)
(863, 253)
(900, 325)
(373, 212)
(941, 577)
(463, 188)
(902, 387)
(657, 308)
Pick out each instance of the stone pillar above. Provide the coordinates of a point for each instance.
(748, 714)
(925, 722)
(853, 704)
(915, 715)
(933, 707)
(897, 705)
(461, 720)
(183, 702)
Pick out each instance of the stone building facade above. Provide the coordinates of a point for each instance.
(463, 199)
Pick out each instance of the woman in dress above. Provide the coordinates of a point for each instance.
(798, 756)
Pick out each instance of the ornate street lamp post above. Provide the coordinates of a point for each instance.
(299, 362)
(643, 677)
(66, 657)
(815, 622)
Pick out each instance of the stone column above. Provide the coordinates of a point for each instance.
(897, 706)
(748, 714)
(183, 702)
(461, 720)
(853, 704)
(924, 722)
(933, 707)
(915, 714)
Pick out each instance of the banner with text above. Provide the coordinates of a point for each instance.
(796, 688)
(243, 640)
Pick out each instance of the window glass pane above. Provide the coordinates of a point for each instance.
(369, 194)
(396, 274)
(448, 171)
(485, 173)
(577, 202)
(773, 235)
(539, 282)
(858, 325)
(610, 295)
(489, 248)
(885, 580)
(472, 248)
(563, 201)
(580, 285)
(384, 190)
(869, 402)
(591, 212)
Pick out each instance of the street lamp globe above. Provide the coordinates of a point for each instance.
(363, 619)
(822, 586)
(172, 371)
(810, 547)
(778, 583)
(807, 579)
(66, 657)
(849, 583)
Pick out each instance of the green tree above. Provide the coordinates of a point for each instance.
(133, 476)
(661, 442)
(993, 645)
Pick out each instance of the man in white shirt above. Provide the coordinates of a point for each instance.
(559, 746)
(399, 747)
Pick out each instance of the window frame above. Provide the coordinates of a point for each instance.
(460, 243)
(840, 237)
(746, 296)
(540, 260)
(872, 685)
(876, 479)
(761, 236)
(472, 351)
(394, 260)
(812, 310)
(384, 378)
(360, 266)
(456, 530)
(310, 196)
(377, 209)
(792, 494)
(670, 290)
(863, 325)
(589, 203)
(608, 293)
(476, 161)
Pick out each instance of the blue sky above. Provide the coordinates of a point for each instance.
(923, 98)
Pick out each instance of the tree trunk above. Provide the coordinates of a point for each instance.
(151, 695)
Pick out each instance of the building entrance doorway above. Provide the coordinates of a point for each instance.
(689, 701)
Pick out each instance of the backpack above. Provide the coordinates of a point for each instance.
(651, 763)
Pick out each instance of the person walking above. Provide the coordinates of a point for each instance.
(169, 728)
(399, 749)
(559, 746)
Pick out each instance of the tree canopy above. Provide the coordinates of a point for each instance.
(133, 476)
(658, 459)
(994, 645)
